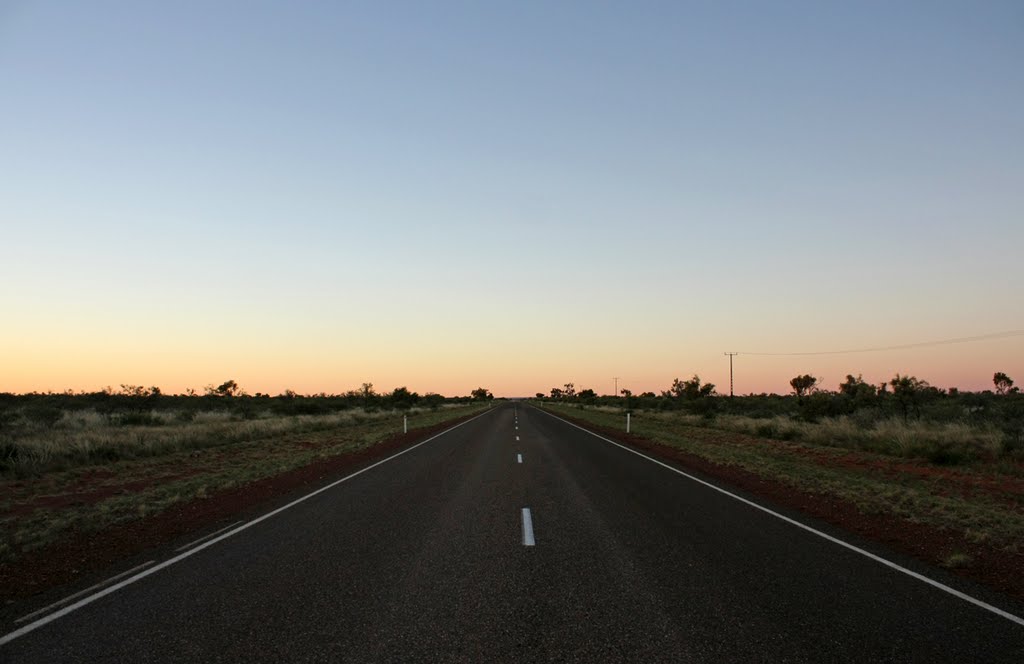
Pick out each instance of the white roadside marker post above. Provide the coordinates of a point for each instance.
(627, 422)
(405, 424)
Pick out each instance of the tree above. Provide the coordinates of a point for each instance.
(856, 387)
(138, 391)
(433, 400)
(691, 389)
(1003, 383)
(402, 398)
(228, 388)
(803, 385)
(586, 395)
(556, 393)
(907, 390)
(855, 393)
(540, 395)
(570, 391)
(367, 393)
(481, 394)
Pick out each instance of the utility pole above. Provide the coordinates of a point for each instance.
(731, 355)
(616, 393)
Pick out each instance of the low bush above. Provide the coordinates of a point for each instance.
(941, 443)
(43, 415)
(135, 420)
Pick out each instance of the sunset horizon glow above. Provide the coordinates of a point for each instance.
(753, 374)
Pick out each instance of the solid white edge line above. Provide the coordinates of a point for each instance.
(519, 458)
(888, 563)
(7, 638)
(528, 528)
(206, 537)
(69, 598)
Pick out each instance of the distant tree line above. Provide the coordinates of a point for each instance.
(135, 404)
(906, 397)
(681, 390)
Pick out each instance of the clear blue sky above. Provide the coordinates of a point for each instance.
(513, 194)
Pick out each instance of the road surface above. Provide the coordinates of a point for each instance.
(519, 537)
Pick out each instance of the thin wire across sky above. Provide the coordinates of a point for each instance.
(922, 344)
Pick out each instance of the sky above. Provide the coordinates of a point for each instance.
(447, 195)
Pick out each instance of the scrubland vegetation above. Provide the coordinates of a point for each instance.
(904, 417)
(45, 432)
(80, 462)
(947, 459)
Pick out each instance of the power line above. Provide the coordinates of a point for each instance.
(922, 344)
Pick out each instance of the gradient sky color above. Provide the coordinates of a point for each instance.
(312, 195)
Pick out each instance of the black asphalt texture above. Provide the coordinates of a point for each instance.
(421, 559)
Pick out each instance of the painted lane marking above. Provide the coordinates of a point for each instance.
(888, 563)
(519, 458)
(528, 528)
(517, 437)
(71, 598)
(205, 537)
(7, 638)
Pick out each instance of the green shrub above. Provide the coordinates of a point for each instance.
(948, 454)
(185, 416)
(135, 420)
(9, 452)
(43, 415)
(301, 407)
(7, 419)
(790, 433)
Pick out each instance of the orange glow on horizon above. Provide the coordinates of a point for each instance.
(509, 374)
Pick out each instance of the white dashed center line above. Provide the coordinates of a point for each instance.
(528, 528)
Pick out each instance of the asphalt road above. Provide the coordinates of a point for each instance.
(422, 558)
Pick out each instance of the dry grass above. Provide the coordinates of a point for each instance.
(940, 442)
(86, 437)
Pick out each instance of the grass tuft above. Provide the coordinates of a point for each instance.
(955, 560)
